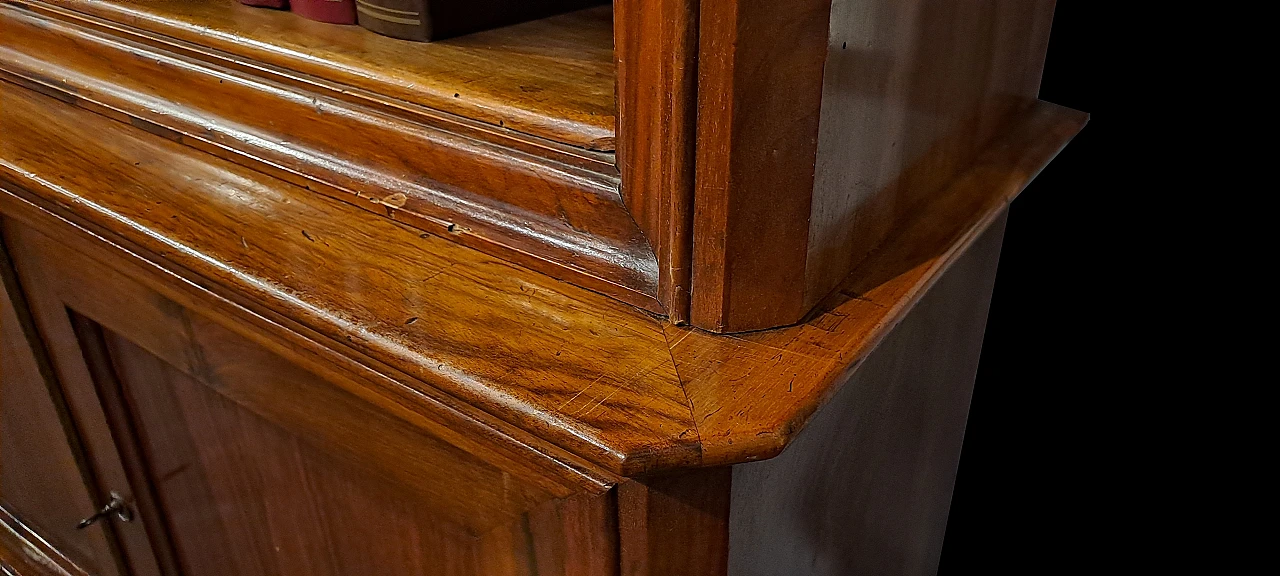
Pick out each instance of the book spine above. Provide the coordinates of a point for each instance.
(331, 11)
(404, 19)
(282, 4)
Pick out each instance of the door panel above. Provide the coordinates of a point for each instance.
(239, 461)
(242, 496)
(84, 407)
(42, 484)
(462, 489)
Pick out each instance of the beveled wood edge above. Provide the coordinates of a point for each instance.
(621, 265)
(159, 256)
(596, 149)
(871, 302)
(28, 553)
(282, 336)
(966, 208)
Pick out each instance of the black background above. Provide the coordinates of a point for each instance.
(1029, 473)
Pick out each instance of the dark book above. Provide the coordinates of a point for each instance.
(266, 3)
(426, 20)
(331, 11)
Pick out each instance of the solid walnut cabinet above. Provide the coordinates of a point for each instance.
(681, 287)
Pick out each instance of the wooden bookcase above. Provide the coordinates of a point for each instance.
(592, 294)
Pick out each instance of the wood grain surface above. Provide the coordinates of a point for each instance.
(315, 301)
(751, 393)
(464, 484)
(516, 350)
(823, 124)
(526, 206)
(242, 496)
(43, 475)
(676, 524)
(235, 492)
(912, 92)
(147, 542)
(759, 94)
(551, 78)
(866, 487)
(24, 553)
(656, 44)
(366, 285)
(235, 458)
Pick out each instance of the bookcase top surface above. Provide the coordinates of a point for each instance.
(551, 78)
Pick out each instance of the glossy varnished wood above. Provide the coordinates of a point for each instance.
(406, 293)
(207, 74)
(586, 373)
(316, 303)
(822, 124)
(676, 524)
(764, 150)
(24, 553)
(866, 487)
(241, 496)
(759, 91)
(656, 47)
(148, 545)
(551, 78)
(544, 211)
(458, 486)
(751, 393)
(912, 93)
(95, 415)
(43, 477)
(241, 462)
(575, 536)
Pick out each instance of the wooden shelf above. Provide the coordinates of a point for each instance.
(551, 78)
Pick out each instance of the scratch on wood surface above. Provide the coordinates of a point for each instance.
(602, 401)
(438, 272)
(686, 334)
(779, 349)
(575, 396)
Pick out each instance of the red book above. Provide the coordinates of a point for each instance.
(331, 11)
(266, 3)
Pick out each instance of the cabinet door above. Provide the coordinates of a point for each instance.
(238, 461)
(44, 488)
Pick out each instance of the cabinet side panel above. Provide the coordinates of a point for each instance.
(866, 487)
(675, 525)
(913, 91)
